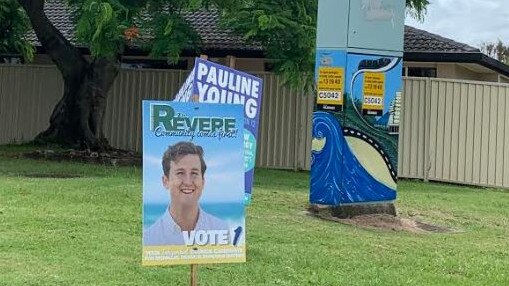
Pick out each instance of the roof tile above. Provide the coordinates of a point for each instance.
(417, 40)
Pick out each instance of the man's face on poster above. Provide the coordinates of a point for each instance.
(185, 180)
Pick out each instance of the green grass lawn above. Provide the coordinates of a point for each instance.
(87, 231)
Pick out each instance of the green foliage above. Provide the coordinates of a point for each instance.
(171, 36)
(100, 25)
(168, 32)
(158, 26)
(496, 50)
(287, 31)
(14, 25)
(417, 8)
(108, 26)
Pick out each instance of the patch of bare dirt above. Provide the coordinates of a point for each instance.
(115, 157)
(384, 222)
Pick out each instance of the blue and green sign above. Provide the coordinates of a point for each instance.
(358, 101)
(209, 82)
(193, 183)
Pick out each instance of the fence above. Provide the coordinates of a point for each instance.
(28, 93)
(451, 131)
(455, 131)
(27, 97)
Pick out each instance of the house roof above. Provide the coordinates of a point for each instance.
(206, 22)
(423, 46)
(419, 45)
(214, 36)
(417, 40)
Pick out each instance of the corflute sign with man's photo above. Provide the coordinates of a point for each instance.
(209, 82)
(193, 183)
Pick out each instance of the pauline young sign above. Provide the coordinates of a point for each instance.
(193, 183)
(209, 82)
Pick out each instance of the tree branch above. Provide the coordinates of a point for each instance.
(66, 56)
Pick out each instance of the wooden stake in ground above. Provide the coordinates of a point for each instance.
(194, 275)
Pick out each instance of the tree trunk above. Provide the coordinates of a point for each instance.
(77, 119)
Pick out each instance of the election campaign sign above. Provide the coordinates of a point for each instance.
(209, 82)
(193, 183)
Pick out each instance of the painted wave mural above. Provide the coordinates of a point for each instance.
(337, 176)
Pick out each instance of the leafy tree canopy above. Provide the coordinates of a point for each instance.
(108, 26)
(286, 28)
(14, 25)
(417, 8)
(287, 31)
(497, 50)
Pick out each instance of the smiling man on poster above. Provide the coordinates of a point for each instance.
(193, 183)
(184, 178)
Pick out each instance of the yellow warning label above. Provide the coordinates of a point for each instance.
(374, 90)
(330, 85)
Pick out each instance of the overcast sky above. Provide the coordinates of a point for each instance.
(469, 21)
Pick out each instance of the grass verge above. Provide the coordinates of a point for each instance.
(85, 229)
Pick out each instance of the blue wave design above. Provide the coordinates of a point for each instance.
(337, 177)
